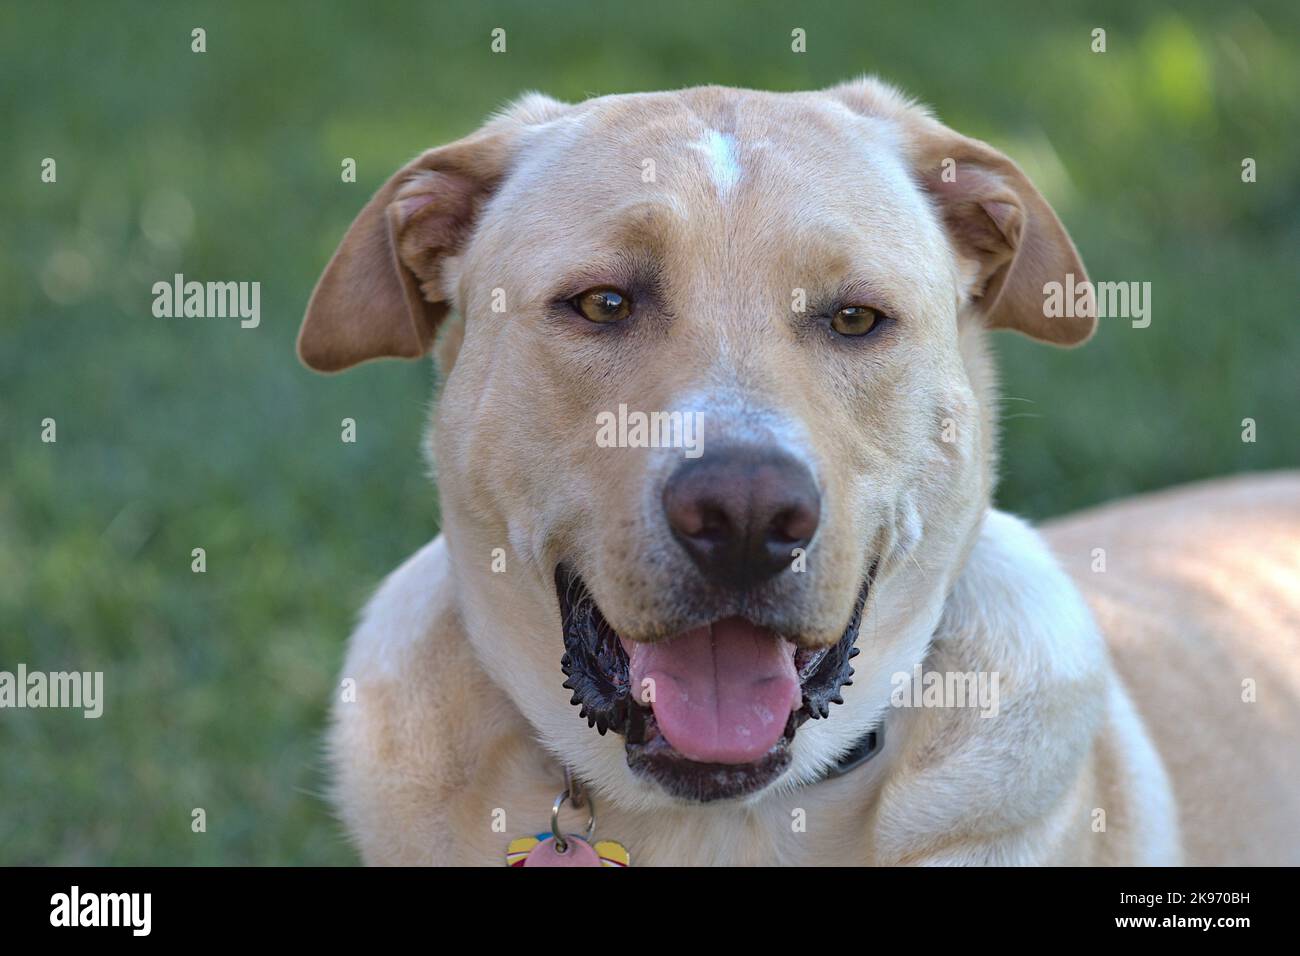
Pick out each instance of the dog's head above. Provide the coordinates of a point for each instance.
(715, 409)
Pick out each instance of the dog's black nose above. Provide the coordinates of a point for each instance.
(740, 512)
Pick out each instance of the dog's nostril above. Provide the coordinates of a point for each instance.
(795, 524)
(741, 512)
(692, 518)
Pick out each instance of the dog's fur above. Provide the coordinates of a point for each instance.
(1133, 748)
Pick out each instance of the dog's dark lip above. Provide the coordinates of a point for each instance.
(595, 666)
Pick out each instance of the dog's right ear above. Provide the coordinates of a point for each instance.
(369, 303)
(382, 293)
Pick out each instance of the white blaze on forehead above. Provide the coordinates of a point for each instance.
(720, 148)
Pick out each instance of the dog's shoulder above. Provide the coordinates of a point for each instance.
(411, 615)
(1020, 762)
(406, 732)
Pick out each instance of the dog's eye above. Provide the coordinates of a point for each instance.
(603, 305)
(855, 320)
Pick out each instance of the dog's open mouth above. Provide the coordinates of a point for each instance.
(710, 713)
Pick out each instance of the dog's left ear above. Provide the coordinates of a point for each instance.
(383, 295)
(1000, 225)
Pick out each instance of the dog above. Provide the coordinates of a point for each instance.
(715, 654)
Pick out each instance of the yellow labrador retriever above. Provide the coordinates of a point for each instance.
(715, 447)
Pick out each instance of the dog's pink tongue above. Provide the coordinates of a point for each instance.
(722, 694)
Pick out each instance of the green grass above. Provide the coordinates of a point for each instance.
(176, 435)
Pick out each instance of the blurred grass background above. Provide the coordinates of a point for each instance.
(177, 434)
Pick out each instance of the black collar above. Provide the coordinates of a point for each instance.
(867, 747)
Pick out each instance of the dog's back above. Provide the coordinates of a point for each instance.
(1198, 592)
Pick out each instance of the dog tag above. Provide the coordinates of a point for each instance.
(542, 850)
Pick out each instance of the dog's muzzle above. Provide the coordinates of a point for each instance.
(711, 713)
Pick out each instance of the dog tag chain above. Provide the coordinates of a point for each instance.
(561, 849)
